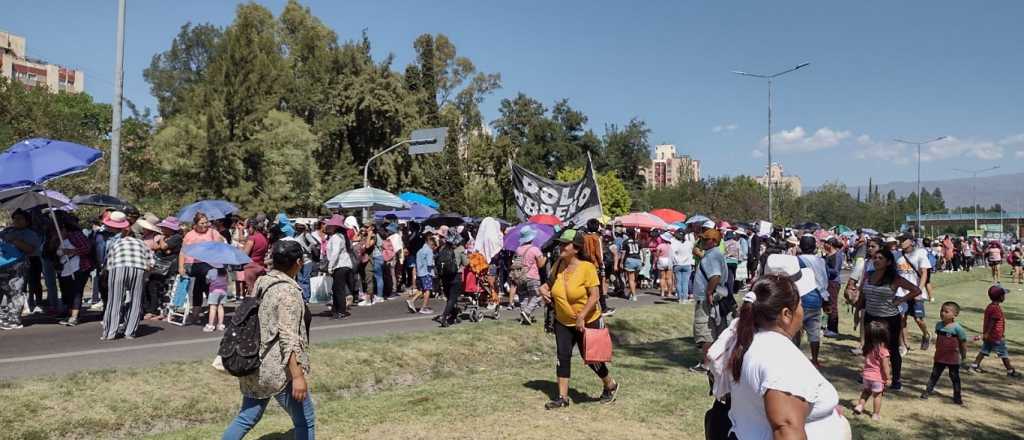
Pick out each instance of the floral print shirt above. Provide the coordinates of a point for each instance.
(282, 332)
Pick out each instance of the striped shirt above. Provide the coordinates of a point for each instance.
(129, 252)
(878, 300)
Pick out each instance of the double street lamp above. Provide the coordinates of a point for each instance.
(919, 144)
(974, 184)
(770, 78)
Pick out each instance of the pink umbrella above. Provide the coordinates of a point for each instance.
(821, 234)
(724, 225)
(642, 220)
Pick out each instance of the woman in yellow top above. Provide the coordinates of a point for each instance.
(574, 292)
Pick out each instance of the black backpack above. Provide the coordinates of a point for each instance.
(240, 345)
(446, 262)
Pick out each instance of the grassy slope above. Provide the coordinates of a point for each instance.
(490, 380)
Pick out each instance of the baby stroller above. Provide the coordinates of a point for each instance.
(477, 290)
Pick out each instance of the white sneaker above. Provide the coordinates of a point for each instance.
(491, 307)
(377, 300)
(364, 303)
(208, 328)
(830, 334)
(221, 328)
(633, 298)
(38, 310)
(96, 307)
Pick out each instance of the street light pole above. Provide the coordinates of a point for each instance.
(974, 184)
(919, 144)
(115, 132)
(770, 96)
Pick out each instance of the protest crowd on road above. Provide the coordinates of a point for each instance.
(758, 291)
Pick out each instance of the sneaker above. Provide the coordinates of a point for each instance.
(609, 312)
(410, 306)
(364, 303)
(98, 306)
(896, 386)
(925, 341)
(858, 410)
(903, 351)
(975, 368)
(377, 300)
(525, 318)
(426, 311)
(208, 328)
(340, 316)
(1013, 373)
(633, 298)
(958, 401)
(831, 334)
(561, 402)
(876, 417)
(699, 368)
(491, 307)
(608, 396)
(70, 322)
(924, 395)
(221, 328)
(38, 310)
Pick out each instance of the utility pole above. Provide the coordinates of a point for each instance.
(770, 78)
(115, 134)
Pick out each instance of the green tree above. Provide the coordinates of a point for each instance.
(615, 198)
(173, 74)
(628, 151)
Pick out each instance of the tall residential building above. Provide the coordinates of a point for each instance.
(669, 168)
(779, 179)
(15, 65)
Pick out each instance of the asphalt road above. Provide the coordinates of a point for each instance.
(43, 347)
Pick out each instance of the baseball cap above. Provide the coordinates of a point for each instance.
(573, 236)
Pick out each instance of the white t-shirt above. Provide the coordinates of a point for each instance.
(682, 252)
(908, 268)
(773, 362)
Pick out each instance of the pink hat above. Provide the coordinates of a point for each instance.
(336, 220)
(171, 223)
(116, 220)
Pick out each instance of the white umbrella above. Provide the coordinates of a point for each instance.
(366, 198)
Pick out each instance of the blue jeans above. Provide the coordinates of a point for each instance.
(303, 417)
(378, 275)
(303, 279)
(682, 281)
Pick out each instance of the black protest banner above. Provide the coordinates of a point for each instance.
(572, 202)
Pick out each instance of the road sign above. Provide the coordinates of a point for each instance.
(427, 140)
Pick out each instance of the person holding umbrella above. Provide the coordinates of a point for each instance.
(128, 259)
(76, 258)
(188, 266)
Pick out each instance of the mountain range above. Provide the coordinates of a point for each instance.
(1005, 189)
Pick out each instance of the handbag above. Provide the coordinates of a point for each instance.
(320, 289)
(597, 345)
(717, 424)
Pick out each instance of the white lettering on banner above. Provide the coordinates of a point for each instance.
(529, 185)
(561, 211)
(567, 198)
(548, 195)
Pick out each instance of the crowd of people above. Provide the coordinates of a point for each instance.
(756, 294)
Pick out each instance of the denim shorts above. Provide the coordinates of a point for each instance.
(812, 324)
(216, 298)
(632, 264)
(917, 306)
(998, 347)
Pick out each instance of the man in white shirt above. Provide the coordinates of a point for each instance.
(682, 264)
(913, 266)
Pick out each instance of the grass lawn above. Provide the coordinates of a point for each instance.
(490, 380)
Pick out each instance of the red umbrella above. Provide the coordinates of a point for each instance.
(669, 215)
(545, 219)
(642, 220)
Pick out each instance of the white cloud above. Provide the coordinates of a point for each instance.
(725, 128)
(952, 147)
(757, 153)
(798, 141)
(882, 151)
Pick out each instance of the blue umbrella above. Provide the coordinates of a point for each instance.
(214, 209)
(217, 253)
(37, 161)
(412, 197)
(416, 211)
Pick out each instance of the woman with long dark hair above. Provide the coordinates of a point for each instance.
(776, 391)
(880, 303)
(575, 291)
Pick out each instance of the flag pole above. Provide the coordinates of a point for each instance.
(590, 164)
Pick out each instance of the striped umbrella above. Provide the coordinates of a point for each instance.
(366, 197)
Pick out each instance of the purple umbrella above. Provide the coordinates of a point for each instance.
(544, 233)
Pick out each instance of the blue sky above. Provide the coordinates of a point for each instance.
(880, 69)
